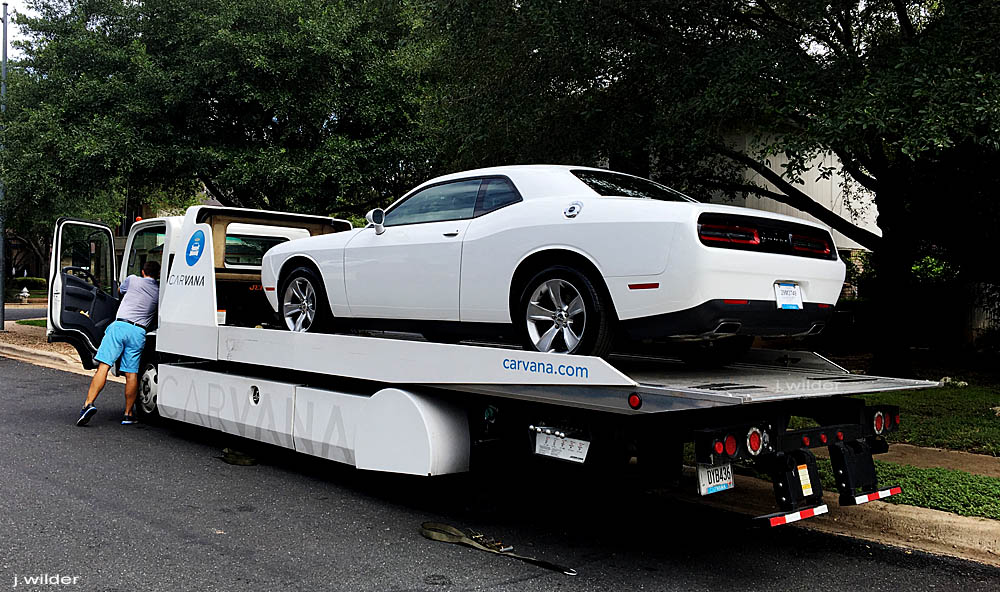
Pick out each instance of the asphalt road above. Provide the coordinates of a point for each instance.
(154, 508)
(17, 313)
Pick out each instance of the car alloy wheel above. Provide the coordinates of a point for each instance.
(299, 305)
(556, 317)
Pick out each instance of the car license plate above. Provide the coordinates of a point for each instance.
(788, 296)
(569, 449)
(714, 479)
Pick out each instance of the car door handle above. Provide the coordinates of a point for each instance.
(452, 233)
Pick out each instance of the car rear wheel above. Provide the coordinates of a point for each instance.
(303, 306)
(562, 311)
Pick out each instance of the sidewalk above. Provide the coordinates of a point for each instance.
(28, 344)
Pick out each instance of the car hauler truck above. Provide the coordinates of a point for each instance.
(388, 402)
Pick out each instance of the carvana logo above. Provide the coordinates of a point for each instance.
(195, 248)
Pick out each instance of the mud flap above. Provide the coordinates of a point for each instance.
(796, 480)
(854, 470)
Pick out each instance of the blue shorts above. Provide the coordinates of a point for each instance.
(124, 341)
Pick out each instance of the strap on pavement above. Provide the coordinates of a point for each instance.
(444, 533)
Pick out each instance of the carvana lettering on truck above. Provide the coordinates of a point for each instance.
(546, 368)
(186, 280)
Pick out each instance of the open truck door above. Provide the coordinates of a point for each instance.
(83, 289)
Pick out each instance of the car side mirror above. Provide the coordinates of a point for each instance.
(376, 217)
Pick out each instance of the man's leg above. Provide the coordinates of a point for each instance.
(97, 383)
(131, 391)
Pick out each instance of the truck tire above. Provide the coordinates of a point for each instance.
(302, 302)
(145, 404)
(562, 311)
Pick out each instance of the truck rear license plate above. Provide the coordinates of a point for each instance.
(714, 479)
(788, 296)
(569, 449)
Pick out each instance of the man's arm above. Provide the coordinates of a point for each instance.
(124, 286)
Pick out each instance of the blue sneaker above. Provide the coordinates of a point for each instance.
(128, 420)
(85, 414)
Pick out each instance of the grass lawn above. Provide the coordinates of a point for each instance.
(948, 417)
(33, 322)
(938, 489)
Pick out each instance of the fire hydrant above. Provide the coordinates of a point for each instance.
(23, 296)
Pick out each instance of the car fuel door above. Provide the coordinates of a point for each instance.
(83, 291)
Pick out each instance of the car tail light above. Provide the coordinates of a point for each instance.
(810, 244)
(823, 438)
(806, 441)
(879, 422)
(840, 436)
(731, 445)
(897, 419)
(634, 401)
(754, 441)
(719, 447)
(728, 233)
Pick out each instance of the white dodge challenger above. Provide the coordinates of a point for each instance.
(564, 258)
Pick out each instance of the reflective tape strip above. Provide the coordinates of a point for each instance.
(800, 515)
(870, 497)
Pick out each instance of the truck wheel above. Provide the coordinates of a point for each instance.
(561, 311)
(145, 404)
(304, 307)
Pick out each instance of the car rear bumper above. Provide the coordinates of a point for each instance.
(717, 318)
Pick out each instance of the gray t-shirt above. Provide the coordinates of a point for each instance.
(140, 300)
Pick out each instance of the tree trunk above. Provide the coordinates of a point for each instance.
(894, 300)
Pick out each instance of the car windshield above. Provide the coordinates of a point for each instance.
(607, 183)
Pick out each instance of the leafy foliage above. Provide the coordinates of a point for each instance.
(704, 89)
(301, 105)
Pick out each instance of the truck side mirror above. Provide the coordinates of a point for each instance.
(376, 217)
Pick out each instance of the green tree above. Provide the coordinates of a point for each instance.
(904, 93)
(302, 105)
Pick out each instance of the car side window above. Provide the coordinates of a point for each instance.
(447, 201)
(496, 193)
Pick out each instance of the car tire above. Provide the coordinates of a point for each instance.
(583, 328)
(303, 288)
(717, 352)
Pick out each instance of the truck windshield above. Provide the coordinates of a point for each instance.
(249, 250)
(607, 183)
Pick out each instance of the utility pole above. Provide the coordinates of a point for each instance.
(3, 115)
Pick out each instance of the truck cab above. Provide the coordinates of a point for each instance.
(85, 274)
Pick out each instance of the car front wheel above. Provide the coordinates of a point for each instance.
(562, 311)
(303, 302)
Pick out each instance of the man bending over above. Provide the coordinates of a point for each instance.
(125, 339)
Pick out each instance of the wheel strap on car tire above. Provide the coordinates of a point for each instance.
(444, 533)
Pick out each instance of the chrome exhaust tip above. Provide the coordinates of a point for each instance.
(728, 328)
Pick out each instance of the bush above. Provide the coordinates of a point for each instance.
(31, 283)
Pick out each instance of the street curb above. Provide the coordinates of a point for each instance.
(50, 360)
(34, 354)
(922, 529)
